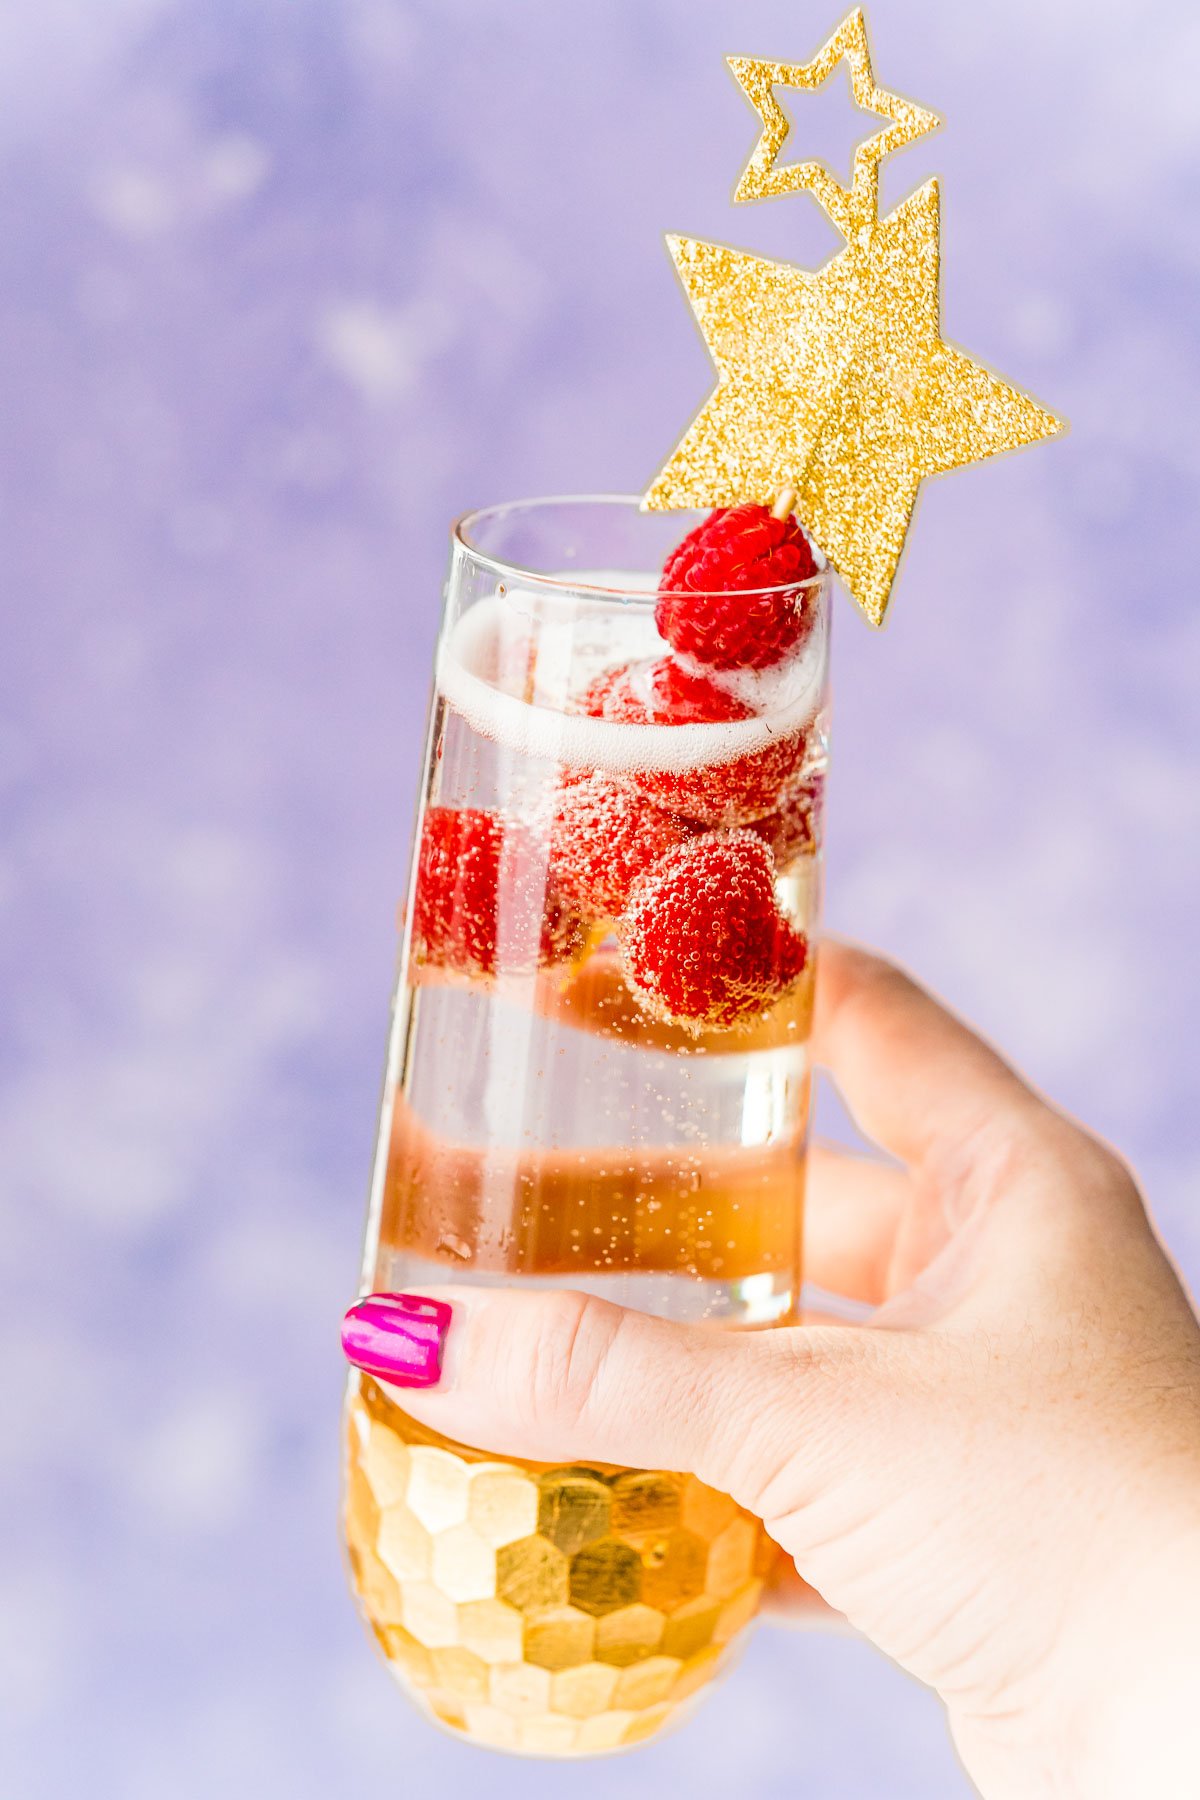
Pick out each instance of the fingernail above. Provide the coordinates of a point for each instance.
(397, 1338)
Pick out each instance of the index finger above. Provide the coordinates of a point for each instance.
(916, 1079)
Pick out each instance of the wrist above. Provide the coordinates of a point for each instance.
(1116, 1710)
(1141, 1736)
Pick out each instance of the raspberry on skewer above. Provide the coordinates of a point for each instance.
(732, 593)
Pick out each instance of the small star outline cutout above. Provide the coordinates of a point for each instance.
(853, 210)
(836, 385)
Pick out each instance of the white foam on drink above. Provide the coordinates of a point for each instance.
(468, 667)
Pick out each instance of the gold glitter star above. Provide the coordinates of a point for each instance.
(852, 209)
(838, 385)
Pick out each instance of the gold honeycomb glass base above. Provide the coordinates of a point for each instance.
(551, 1611)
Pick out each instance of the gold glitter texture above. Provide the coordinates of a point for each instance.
(851, 209)
(837, 383)
(552, 1611)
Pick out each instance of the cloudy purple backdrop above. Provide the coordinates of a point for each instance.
(285, 284)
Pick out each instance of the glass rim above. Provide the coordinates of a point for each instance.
(560, 583)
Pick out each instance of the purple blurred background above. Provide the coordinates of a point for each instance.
(284, 285)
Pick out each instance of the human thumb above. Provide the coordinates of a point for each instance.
(562, 1376)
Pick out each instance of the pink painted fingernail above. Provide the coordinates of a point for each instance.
(397, 1338)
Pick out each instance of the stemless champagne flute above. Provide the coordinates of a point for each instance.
(553, 1112)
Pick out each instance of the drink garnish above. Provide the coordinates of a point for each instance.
(603, 836)
(793, 829)
(731, 593)
(482, 902)
(703, 941)
(664, 692)
(836, 383)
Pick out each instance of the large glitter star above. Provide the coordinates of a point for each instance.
(838, 385)
(852, 209)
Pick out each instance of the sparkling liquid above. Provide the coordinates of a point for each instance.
(540, 1125)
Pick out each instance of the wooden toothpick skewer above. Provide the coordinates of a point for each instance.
(783, 505)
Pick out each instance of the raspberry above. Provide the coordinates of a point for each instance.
(794, 829)
(665, 693)
(703, 942)
(704, 607)
(661, 693)
(482, 903)
(602, 838)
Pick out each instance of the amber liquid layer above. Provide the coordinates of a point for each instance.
(658, 1169)
(720, 1216)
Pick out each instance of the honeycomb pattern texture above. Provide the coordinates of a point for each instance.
(554, 1611)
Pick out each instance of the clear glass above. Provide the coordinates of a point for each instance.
(550, 1115)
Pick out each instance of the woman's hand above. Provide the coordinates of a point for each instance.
(996, 1479)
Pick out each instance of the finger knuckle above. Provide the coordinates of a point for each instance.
(573, 1339)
